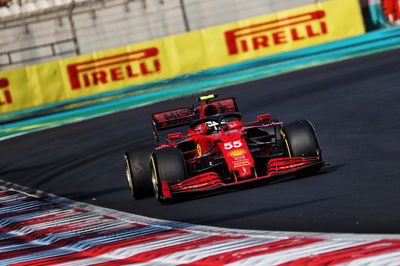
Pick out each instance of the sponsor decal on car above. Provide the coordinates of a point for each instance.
(237, 153)
(174, 117)
(241, 164)
(114, 68)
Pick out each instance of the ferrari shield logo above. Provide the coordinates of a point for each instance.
(198, 149)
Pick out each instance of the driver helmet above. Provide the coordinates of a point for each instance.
(214, 127)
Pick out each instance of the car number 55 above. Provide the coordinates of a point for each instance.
(230, 145)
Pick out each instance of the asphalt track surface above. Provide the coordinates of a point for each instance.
(353, 104)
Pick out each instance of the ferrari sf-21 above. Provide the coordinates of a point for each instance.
(219, 150)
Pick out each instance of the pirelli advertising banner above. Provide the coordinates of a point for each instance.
(180, 54)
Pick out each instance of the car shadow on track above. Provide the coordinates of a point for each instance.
(213, 220)
(88, 196)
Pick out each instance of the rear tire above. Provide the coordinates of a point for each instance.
(137, 174)
(166, 165)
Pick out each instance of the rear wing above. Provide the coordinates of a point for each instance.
(173, 118)
(184, 116)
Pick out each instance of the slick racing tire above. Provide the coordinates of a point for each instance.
(301, 139)
(166, 165)
(137, 173)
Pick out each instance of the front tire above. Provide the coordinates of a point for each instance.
(301, 139)
(166, 165)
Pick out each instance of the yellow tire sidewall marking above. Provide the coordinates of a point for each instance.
(156, 187)
(128, 172)
(286, 143)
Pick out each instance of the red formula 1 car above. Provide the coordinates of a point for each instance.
(220, 150)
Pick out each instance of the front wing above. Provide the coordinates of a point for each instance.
(211, 180)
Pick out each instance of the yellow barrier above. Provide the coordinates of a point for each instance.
(180, 54)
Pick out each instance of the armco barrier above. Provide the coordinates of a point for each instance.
(131, 97)
(179, 55)
(42, 229)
